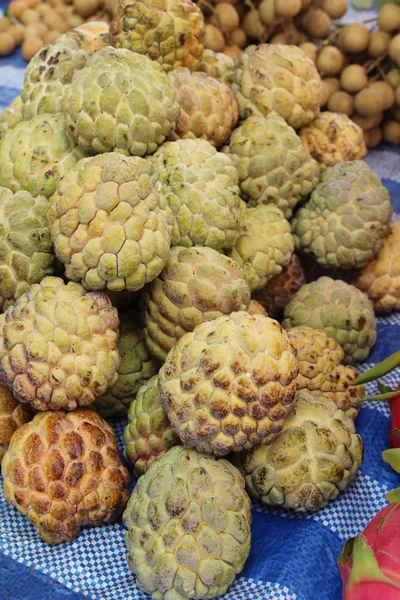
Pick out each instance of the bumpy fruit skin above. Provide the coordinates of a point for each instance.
(12, 415)
(91, 36)
(49, 74)
(195, 510)
(26, 251)
(230, 383)
(111, 227)
(201, 188)
(11, 116)
(321, 372)
(122, 102)
(58, 345)
(217, 65)
(264, 245)
(316, 456)
(333, 138)
(63, 471)
(346, 219)
(208, 108)
(148, 434)
(341, 310)
(170, 32)
(196, 285)
(280, 78)
(255, 308)
(278, 291)
(35, 154)
(273, 166)
(380, 278)
(136, 367)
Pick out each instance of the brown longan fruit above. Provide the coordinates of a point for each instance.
(233, 51)
(51, 36)
(266, 12)
(354, 38)
(354, 78)
(310, 50)
(287, 8)
(225, 16)
(279, 38)
(305, 4)
(5, 24)
(330, 61)
(239, 37)
(391, 132)
(86, 8)
(393, 77)
(75, 20)
(341, 102)
(397, 95)
(253, 26)
(30, 47)
(29, 16)
(335, 8)
(329, 86)
(394, 49)
(395, 113)
(368, 102)
(17, 7)
(373, 137)
(389, 18)
(367, 123)
(44, 9)
(229, 1)
(317, 23)
(18, 32)
(386, 92)
(378, 43)
(32, 3)
(7, 43)
(213, 38)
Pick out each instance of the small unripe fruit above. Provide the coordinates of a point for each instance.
(341, 102)
(386, 92)
(226, 17)
(85, 8)
(330, 61)
(253, 26)
(393, 77)
(310, 50)
(30, 47)
(367, 123)
(29, 16)
(389, 18)
(373, 137)
(233, 51)
(354, 38)
(329, 86)
(7, 43)
(378, 43)
(391, 132)
(267, 13)
(368, 102)
(287, 8)
(17, 7)
(335, 8)
(353, 78)
(317, 23)
(239, 37)
(213, 38)
(394, 49)
(17, 31)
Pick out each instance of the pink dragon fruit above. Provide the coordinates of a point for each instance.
(370, 562)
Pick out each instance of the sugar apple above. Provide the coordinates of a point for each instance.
(321, 372)
(121, 101)
(148, 434)
(136, 367)
(280, 78)
(35, 154)
(170, 32)
(189, 523)
(200, 185)
(26, 251)
(341, 310)
(344, 222)
(110, 225)
(273, 166)
(208, 108)
(217, 65)
(316, 456)
(196, 285)
(264, 245)
(278, 291)
(380, 278)
(91, 36)
(58, 346)
(230, 383)
(11, 116)
(333, 138)
(12, 415)
(49, 74)
(63, 471)
(255, 308)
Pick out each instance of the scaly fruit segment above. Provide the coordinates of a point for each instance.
(370, 562)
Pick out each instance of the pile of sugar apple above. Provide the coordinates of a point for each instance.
(153, 196)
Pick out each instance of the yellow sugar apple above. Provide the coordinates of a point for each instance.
(11, 116)
(229, 384)
(91, 36)
(217, 65)
(12, 416)
(255, 308)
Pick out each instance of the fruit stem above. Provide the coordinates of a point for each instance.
(379, 370)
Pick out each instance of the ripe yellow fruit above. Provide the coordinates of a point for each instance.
(287, 8)
(253, 25)
(213, 38)
(389, 18)
(386, 91)
(368, 102)
(394, 49)
(393, 77)
(17, 7)
(310, 49)
(317, 23)
(239, 37)
(373, 137)
(367, 123)
(267, 13)
(378, 43)
(341, 102)
(30, 46)
(7, 43)
(391, 132)
(335, 8)
(329, 86)
(330, 61)
(354, 38)
(354, 78)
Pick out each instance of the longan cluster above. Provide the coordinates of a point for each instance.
(34, 23)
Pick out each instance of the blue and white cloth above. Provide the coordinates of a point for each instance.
(292, 557)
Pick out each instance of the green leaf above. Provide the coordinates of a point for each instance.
(392, 457)
(394, 495)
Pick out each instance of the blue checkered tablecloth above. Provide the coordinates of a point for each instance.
(292, 557)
